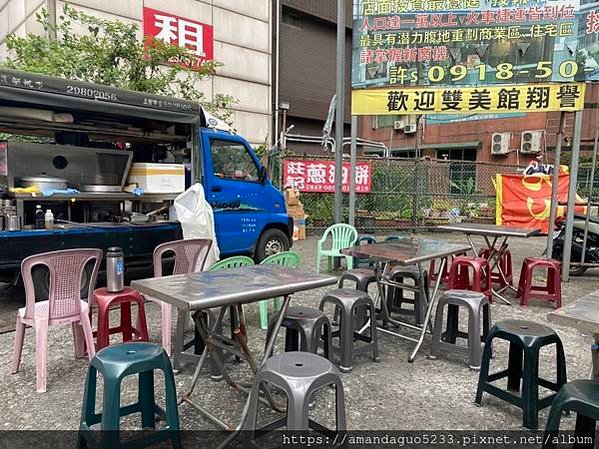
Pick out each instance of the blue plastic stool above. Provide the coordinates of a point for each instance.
(115, 363)
(364, 240)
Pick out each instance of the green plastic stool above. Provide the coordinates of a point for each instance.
(289, 259)
(115, 363)
(580, 396)
(526, 339)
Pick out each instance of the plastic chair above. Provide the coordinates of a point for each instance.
(343, 236)
(190, 256)
(364, 240)
(289, 259)
(63, 306)
(232, 262)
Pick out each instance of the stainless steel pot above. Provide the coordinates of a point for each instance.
(13, 223)
(43, 182)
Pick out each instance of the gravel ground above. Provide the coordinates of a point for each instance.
(391, 395)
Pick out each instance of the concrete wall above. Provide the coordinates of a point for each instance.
(242, 35)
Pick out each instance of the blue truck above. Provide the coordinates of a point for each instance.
(65, 134)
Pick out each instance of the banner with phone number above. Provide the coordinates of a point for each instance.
(525, 201)
(484, 99)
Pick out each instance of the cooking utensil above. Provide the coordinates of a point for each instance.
(99, 188)
(43, 182)
(13, 223)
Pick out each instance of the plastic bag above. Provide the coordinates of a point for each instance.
(197, 219)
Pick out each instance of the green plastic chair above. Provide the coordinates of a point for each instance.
(343, 236)
(232, 262)
(289, 259)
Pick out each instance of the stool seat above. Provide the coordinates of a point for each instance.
(133, 356)
(303, 313)
(580, 396)
(526, 338)
(361, 276)
(299, 365)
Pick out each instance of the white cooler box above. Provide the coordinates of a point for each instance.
(158, 178)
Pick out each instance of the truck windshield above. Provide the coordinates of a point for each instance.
(232, 160)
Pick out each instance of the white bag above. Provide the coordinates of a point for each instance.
(197, 219)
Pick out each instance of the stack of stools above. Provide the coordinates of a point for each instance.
(471, 273)
(477, 305)
(305, 329)
(115, 363)
(105, 300)
(526, 339)
(580, 396)
(505, 264)
(298, 375)
(396, 295)
(352, 304)
(552, 291)
(362, 277)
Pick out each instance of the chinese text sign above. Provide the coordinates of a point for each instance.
(197, 37)
(319, 176)
(484, 99)
(469, 42)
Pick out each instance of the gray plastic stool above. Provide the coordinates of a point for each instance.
(298, 375)
(363, 277)
(305, 329)
(396, 297)
(351, 303)
(477, 304)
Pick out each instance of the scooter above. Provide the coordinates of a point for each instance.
(592, 247)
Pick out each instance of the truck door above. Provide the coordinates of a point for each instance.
(235, 191)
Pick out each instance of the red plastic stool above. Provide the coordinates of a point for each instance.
(552, 291)
(104, 300)
(505, 262)
(459, 275)
(432, 274)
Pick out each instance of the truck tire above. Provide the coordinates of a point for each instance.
(41, 281)
(272, 241)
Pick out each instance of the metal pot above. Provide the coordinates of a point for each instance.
(44, 182)
(13, 223)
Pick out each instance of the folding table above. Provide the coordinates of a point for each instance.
(492, 235)
(220, 289)
(409, 251)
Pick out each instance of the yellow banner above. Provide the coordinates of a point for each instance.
(470, 100)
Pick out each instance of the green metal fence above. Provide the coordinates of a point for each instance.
(409, 194)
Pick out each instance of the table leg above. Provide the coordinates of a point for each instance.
(492, 251)
(430, 304)
(595, 358)
(267, 351)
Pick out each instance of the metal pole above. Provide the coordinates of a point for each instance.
(339, 122)
(554, 185)
(572, 197)
(352, 170)
(588, 217)
(277, 68)
(51, 8)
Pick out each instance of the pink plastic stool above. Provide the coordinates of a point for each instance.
(104, 300)
(505, 263)
(460, 275)
(551, 291)
(63, 306)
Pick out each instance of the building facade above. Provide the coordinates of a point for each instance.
(241, 35)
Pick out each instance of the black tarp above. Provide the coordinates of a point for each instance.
(48, 92)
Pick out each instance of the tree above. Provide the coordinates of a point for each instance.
(112, 54)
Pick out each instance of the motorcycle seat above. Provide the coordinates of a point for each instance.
(592, 219)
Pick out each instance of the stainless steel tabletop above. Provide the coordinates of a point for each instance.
(490, 230)
(407, 252)
(207, 289)
(582, 314)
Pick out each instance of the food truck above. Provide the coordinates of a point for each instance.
(108, 164)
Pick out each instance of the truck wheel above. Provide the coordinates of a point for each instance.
(272, 241)
(41, 281)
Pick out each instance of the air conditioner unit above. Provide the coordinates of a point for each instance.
(398, 125)
(531, 142)
(500, 144)
(409, 129)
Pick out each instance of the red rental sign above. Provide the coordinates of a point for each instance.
(319, 176)
(196, 36)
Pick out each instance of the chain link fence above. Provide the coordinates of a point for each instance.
(409, 194)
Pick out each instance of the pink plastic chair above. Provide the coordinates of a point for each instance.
(63, 306)
(190, 256)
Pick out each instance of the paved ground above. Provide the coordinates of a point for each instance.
(428, 394)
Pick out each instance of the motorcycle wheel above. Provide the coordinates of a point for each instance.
(576, 271)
